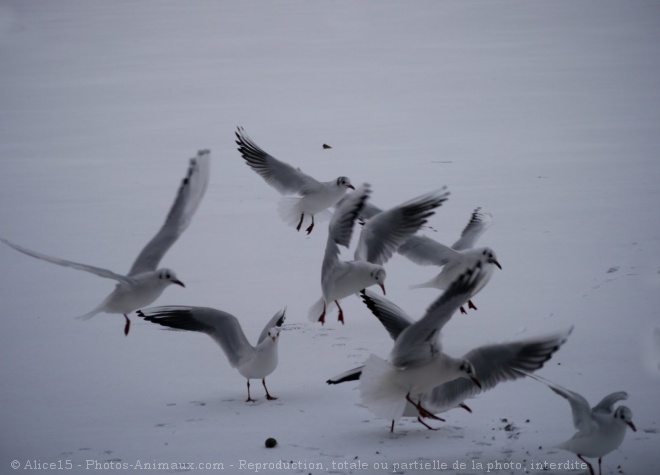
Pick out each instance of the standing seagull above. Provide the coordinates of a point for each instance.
(455, 259)
(252, 362)
(416, 363)
(494, 363)
(144, 283)
(379, 239)
(315, 197)
(600, 429)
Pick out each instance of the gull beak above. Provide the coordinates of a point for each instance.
(382, 286)
(632, 426)
(351, 187)
(476, 381)
(494, 261)
(178, 282)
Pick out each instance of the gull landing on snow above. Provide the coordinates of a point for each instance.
(314, 196)
(144, 283)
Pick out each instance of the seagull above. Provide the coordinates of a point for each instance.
(455, 259)
(144, 283)
(494, 363)
(314, 196)
(416, 363)
(600, 429)
(379, 239)
(252, 362)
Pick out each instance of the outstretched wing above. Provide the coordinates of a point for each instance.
(74, 265)
(281, 176)
(382, 235)
(479, 222)
(185, 204)
(393, 318)
(425, 251)
(495, 364)
(419, 342)
(340, 229)
(223, 327)
(582, 418)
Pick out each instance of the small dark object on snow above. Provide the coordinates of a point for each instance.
(271, 442)
(326, 146)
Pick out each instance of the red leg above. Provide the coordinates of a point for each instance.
(127, 326)
(302, 216)
(423, 412)
(600, 469)
(340, 316)
(310, 227)
(471, 305)
(466, 407)
(268, 396)
(463, 311)
(392, 426)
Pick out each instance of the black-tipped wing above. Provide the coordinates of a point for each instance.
(223, 327)
(185, 204)
(479, 222)
(495, 364)
(281, 176)
(382, 235)
(418, 343)
(276, 321)
(350, 375)
(393, 318)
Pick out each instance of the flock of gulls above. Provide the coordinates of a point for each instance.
(418, 379)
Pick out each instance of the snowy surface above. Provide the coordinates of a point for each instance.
(546, 114)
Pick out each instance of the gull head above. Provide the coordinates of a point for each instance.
(274, 333)
(467, 371)
(625, 414)
(379, 275)
(344, 182)
(168, 275)
(490, 257)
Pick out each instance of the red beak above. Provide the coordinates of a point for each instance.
(178, 282)
(382, 286)
(632, 426)
(476, 381)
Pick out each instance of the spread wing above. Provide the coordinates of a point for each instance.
(425, 251)
(281, 176)
(419, 342)
(495, 364)
(185, 204)
(223, 327)
(74, 265)
(382, 235)
(479, 222)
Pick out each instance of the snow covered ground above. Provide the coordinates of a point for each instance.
(546, 114)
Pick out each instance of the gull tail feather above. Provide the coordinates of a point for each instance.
(378, 391)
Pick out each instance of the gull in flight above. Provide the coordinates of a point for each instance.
(379, 239)
(144, 282)
(416, 363)
(455, 259)
(600, 429)
(495, 363)
(314, 196)
(252, 362)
